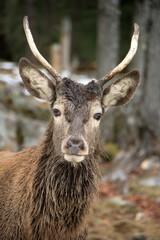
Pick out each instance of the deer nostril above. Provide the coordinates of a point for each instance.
(81, 145)
(69, 144)
(75, 145)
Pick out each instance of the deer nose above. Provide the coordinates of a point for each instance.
(75, 146)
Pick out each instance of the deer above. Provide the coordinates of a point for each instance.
(47, 191)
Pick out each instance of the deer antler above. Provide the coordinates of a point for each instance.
(126, 60)
(36, 53)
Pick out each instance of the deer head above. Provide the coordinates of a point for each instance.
(77, 109)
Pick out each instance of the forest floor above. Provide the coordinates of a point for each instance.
(129, 212)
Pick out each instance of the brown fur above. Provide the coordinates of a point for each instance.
(43, 195)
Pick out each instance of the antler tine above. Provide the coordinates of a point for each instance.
(36, 53)
(126, 60)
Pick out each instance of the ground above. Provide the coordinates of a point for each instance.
(134, 215)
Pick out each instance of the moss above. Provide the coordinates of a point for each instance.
(111, 148)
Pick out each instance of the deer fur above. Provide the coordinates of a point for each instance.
(46, 191)
(44, 196)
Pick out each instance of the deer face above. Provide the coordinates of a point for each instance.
(77, 109)
(77, 112)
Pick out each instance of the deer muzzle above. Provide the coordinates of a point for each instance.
(74, 149)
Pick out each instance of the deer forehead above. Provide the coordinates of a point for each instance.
(66, 106)
(77, 99)
(73, 118)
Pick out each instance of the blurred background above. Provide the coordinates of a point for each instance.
(85, 40)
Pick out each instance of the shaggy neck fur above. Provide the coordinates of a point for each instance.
(62, 192)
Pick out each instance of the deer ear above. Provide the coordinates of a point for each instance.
(122, 91)
(36, 82)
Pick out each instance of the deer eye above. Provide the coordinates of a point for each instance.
(56, 112)
(97, 116)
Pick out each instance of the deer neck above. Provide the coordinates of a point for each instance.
(65, 191)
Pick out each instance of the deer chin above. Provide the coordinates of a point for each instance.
(73, 158)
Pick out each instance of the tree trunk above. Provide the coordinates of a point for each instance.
(66, 31)
(147, 60)
(151, 92)
(146, 108)
(107, 50)
(108, 36)
(141, 55)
